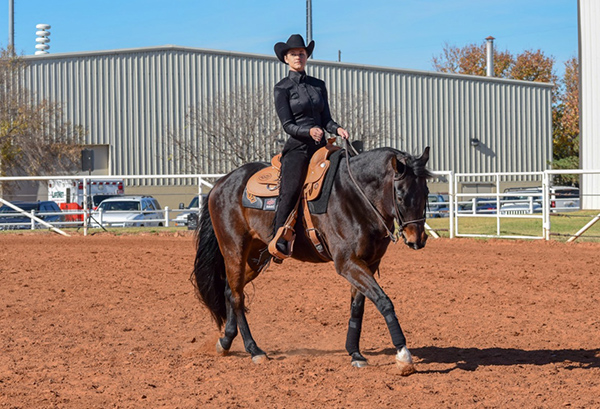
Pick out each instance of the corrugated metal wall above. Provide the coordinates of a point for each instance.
(589, 57)
(131, 100)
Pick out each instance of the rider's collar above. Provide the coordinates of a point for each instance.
(297, 77)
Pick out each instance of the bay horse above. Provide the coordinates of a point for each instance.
(372, 193)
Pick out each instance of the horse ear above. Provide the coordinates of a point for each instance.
(424, 156)
(399, 165)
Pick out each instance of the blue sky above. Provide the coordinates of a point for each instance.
(389, 33)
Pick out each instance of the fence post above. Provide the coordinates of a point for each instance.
(166, 216)
(86, 209)
(546, 205)
(451, 199)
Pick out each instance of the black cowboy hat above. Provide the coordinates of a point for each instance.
(295, 41)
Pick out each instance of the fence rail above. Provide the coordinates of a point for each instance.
(460, 204)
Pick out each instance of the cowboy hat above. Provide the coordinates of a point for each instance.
(295, 41)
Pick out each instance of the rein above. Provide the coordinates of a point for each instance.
(390, 234)
(397, 216)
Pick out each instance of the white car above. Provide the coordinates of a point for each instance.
(128, 211)
(193, 207)
(564, 199)
(529, 200)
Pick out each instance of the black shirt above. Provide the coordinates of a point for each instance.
(301, 104)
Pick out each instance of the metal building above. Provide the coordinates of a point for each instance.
(130, 99)
(589, 57)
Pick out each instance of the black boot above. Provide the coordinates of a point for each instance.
(282, 246)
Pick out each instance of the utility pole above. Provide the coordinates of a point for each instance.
(308, 22)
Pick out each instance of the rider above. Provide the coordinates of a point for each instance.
(302, 106)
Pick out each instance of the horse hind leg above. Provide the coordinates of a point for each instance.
(236, 318)
(258, 355)
(231, 328)
(236, 298)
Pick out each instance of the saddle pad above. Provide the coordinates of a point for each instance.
(319, 205)
(261, 203)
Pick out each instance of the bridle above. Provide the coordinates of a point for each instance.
(398, 216)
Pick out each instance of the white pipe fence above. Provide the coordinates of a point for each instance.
(456, 206)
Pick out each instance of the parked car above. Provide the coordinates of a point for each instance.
(564, 199)
(438, 205)
(483, 205)
(97, 199)
(46, 210)
(530, 200)
(193, 207)
(521, 201)
(128, 211)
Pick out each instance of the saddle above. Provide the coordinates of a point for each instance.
(265, 183)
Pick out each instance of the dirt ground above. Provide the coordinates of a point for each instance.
(110, 321)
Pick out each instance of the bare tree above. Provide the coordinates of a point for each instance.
(34, 138)
(242, 127)
(227, 132)
(364, 120)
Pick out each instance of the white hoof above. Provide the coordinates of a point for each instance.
(360, 364)
(220, 350)
(260, 359)
(404, 362)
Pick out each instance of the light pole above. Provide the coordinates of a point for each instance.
(11, 25)
(308, 22)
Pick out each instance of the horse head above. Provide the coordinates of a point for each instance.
(410, 188)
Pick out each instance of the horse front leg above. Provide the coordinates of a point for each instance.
(359, 276)
(357, 310)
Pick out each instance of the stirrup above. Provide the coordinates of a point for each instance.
(286, 233)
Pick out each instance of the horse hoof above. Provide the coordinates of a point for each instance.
(406, 369)
(220, 350)
(359, 363)
(260, 359)
(404, 362)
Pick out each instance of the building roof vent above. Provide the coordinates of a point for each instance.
(490, 56)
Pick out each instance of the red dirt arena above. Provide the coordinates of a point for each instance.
(111, 321)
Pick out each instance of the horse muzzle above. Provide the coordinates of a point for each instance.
(414, 235)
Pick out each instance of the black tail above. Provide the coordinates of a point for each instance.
(209, 275)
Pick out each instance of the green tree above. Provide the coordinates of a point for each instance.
(471, 60)
(34, 139)
(565, 117)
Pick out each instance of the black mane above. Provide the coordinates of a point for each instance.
(413, 162)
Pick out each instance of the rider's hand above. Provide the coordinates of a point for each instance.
(316, 133)
(343, 133)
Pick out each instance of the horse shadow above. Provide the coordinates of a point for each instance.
(469, 359)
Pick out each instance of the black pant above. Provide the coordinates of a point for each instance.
(294, 165)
